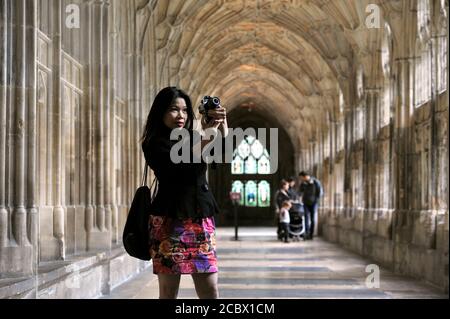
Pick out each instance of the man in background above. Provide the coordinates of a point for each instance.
(310, 191)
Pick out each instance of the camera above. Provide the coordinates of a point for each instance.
(209, 103)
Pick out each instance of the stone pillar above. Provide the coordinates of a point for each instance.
(297, 160)
(58, 210)
(18, 124)
(348, 162)
(97, 215)
(370, 147)
(438, 127)
(106, 165)
(90, 141)
(17, 102)
(143, 19)
(113, 55)
(403, 117)
(31, 35)
(4, 238)
(132, 105)
(97, 47)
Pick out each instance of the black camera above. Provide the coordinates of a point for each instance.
(209, 103)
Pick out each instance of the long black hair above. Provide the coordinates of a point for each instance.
(155, 126)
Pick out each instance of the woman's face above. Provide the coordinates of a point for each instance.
(176, 115)
(285, 186)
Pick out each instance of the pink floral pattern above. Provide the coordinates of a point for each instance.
(183, 246)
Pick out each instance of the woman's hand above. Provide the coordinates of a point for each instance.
(218, 120)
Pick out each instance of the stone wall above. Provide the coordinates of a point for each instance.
(72, 113)
(395, 190)
(80, 277)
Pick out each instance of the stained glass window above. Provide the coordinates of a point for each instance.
(257, 149)
(250, 194)
(264, 164)
(237, 166)
(250, 157)
(253, 193)
(263, 194)
(250, 165)
(244, 149)
(238, 187)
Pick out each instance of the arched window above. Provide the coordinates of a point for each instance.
(250, 160)
(250, 194)
(250, 157)
(263, 194)
(238, 187)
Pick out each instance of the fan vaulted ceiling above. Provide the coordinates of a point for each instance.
(290, 58)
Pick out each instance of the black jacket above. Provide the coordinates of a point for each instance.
(311, 192)
(183, 191)
(280, 197)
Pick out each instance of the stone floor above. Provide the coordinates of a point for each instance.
(259, 266)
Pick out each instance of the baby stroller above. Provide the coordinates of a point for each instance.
(297, 224)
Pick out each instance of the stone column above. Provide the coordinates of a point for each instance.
(106, 165)
(131, 104)
(370, 147)
(403, 116)
(98, 99)
(332, 179)
(3, 106)
(97, 214)
(18, 126)
(58, 210)
(143, 22)
(297, 161)
(437, 145)
(348, 162)
(88, 119)
(31, 35)
(113, 55)
(16, 100)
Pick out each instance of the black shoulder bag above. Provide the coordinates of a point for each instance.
(136, 232)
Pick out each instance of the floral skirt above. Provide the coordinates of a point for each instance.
(183, 246)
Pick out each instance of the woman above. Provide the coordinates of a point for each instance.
(182, 235)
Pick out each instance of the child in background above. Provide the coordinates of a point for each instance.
(285, 219)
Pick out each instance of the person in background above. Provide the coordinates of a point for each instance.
(280, 196)
(293, 194)
(285, 219)
(310, 191)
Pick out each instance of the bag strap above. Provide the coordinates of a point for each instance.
(155, 190)
(144, 177)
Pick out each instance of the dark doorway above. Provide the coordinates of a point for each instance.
(221, 179)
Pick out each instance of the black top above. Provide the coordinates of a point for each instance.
(280, 197)
(292, 193)
(183, 191)
(311, 191)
